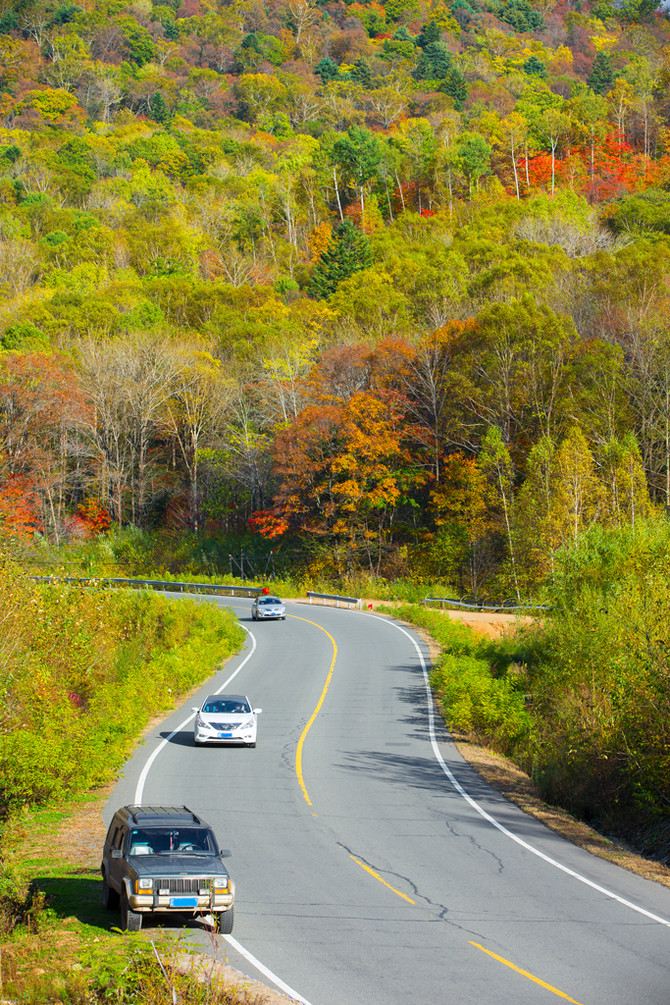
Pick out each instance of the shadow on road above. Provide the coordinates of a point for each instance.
(185, 739)
(78, 894)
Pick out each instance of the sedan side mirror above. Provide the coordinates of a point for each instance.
(257, 711)
(225, 853)
(195, 708)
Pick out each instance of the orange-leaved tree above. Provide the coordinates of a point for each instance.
(41, 419)
(343, 472)
(19, 508)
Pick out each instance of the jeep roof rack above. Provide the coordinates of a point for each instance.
(143, 815)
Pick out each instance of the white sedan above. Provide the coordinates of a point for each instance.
(227, 718)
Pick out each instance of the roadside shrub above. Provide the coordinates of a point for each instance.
(20, 904)
(477, 699)
(452, 636)
(476, 703)
(600, 680)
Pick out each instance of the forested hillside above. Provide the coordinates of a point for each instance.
(385, 281)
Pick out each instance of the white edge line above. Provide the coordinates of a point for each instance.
(139, 789)
(265, 970)
(492, 820)
(139, 792)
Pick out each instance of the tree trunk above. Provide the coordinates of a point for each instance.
(337, 194)
(402, 197)
(516, 173)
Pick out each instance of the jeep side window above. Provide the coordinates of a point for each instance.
(117, 838)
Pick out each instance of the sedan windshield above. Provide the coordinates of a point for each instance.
(269, 600)
(225, 706)
(170, 840)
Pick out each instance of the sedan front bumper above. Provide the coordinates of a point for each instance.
(214, 736)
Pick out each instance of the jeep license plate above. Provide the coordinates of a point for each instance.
(183, 901)
(225, 736)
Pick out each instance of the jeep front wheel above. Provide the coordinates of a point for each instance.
(226, 921)
(131, 921)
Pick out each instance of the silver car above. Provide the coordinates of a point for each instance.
(268, 607)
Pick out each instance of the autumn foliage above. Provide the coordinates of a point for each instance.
(374, 282)
(19, 508)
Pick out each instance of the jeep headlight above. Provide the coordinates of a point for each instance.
(143, 885)
(220, 884)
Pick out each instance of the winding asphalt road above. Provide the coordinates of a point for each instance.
(373, 866)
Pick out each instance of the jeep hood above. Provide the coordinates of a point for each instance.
(178, 865)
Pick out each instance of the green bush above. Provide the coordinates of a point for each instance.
(601, 685)
(131, 552)
(479, 704)
(476, 699)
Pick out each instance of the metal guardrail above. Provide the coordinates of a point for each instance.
(501, 608)
(336, 597)
(254, 591)
(155, 584)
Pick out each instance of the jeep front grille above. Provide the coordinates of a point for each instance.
(175, 885)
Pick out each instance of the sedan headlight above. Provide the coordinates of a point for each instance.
(143, 885)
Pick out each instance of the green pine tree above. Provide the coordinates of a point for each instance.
(534, 67)
(601, 77)
(430, 32)
(454, 85)
(348, 251)
(434, 62)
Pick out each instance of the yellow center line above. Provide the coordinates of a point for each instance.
(380, 879)
(310, 721)
(525, 973)
(301, 744)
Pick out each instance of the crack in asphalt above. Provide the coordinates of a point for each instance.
(442, 910)
(471, 839)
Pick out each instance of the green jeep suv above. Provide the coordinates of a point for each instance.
(165, 860)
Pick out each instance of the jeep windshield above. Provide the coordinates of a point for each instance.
(171, 841)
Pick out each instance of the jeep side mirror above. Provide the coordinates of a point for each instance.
(117, 853)
(225, 853)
